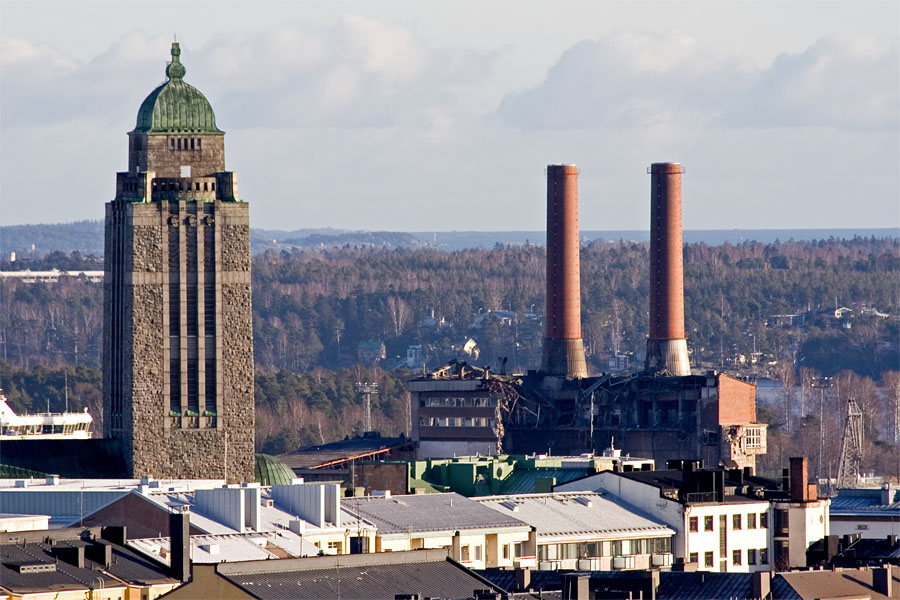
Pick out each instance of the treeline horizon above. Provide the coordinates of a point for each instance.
(311, 308)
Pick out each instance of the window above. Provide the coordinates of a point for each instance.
(171, 143)
(736, 522)
(693, 524)
(736, 557)
(708, 523)
(751, 521)
(519, 549)
(782, 555)
(763, 556)
(754, 437)
(505, 550)
(751, 556)
(478, 552)
(763, 520)
(708, 559)
(464, 554)
(781, 522)
(693, 557)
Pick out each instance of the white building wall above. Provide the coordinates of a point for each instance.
(675, 515)
(744, 539)
(864, 525)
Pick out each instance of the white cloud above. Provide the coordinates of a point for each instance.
(629, 79)
(638, 80)
(844, 81)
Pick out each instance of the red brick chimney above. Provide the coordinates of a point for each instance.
(563, 346)
(666, 345)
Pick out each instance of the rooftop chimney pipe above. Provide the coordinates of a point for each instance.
(563, 348)
(666, 346)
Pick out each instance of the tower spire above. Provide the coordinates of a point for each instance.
(175, 70)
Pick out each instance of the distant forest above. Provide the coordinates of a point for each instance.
(749, 307)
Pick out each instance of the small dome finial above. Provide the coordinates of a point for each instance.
(175, 70)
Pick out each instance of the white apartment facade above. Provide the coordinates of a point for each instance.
(730, 536)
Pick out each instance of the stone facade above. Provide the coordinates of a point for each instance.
(166, 154)
(178, 339)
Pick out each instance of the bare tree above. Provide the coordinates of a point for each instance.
(399, 312)
(784, 370)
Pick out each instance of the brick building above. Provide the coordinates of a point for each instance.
(178, 344)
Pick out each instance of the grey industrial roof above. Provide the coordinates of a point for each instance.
(576, 514)
(343, 450)
(211, 549)
(834, 584)
(369, 576)
(428, 512)
(524, 481)
(127, 566)
(673, 585)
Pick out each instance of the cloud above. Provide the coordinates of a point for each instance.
(844, 81)
(638, 80)
(360, 72)
(628, 79)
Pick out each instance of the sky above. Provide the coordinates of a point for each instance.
(439, 116)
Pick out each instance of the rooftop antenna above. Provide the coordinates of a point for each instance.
(66, 375)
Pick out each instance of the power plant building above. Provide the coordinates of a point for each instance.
(178, 343)
(665, 412)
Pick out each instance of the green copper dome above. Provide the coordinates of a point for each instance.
(175, 106)
(270, 470)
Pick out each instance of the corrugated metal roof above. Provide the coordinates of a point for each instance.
(834, 584)
(435, 579)
(673, 585)
(126, 565)
(210, 549)
(523, 481)
(428, 512)
(576, 514)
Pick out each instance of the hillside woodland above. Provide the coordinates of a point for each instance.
(787, 310)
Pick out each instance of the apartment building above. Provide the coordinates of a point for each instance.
(725, 520)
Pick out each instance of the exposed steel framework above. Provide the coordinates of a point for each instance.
(666, 346)
(563, 347)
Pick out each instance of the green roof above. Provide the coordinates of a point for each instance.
(175, 106)
(270, 470)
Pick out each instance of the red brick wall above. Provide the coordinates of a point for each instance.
(737, 401)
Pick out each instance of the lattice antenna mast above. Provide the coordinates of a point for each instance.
(851, 447)
(367, 390)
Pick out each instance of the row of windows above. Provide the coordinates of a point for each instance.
(185, 144)
(736, 522)
(479, 402)
(737, 557)
(608, 548)
(182, 186)
(456, 422)
(38, 428)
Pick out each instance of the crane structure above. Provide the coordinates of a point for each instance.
(851, 447)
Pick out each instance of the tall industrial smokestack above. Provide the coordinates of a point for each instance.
(666, 346)
(563, 348)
